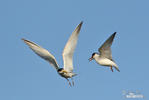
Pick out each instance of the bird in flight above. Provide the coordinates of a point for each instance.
(67, 71)
(104, 57)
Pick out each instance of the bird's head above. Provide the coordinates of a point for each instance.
(60, 69)
(93, 56)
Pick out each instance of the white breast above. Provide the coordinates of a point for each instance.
(105, 62)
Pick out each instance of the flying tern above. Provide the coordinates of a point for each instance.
(104, 57)
(67, 71)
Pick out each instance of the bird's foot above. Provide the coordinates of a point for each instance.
(111, 68)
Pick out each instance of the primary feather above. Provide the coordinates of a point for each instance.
(43, 53)
(69, 49)
(105, 49)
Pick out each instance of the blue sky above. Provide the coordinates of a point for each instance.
(49, 23)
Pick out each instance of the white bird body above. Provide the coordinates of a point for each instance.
(105, 56)
(67, 74)
(104, 61)
(67, 71)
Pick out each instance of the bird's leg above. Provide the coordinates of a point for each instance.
(111, 68)
(72, 81)
(68, 81)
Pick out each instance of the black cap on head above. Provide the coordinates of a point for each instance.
(93, 54)
(60, 69)
(92, 57)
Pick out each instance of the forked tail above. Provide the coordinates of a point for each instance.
(116, 67)
(74, 74)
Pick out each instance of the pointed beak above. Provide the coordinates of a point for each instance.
(90, 59)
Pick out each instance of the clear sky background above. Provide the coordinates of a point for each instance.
(49, 23)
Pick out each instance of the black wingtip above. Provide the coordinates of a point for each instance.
(81, 22)
(79, 27)
(23, 39)
(114, 33)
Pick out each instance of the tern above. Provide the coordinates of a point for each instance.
(67, 71)
(104, 57)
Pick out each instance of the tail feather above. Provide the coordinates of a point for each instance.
(116, 67)
(74, 74)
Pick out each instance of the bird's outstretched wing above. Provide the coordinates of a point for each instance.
(105, 49)
(69, 49)
(43, 53)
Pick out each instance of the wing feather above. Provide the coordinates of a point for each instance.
(105, 49)
(69, 49)
(43, 53)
